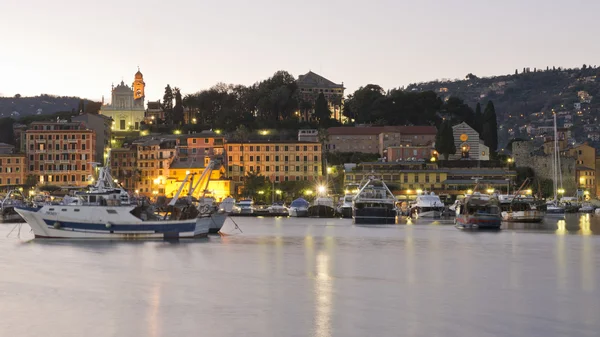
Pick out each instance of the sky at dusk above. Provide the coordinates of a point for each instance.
(79, 48)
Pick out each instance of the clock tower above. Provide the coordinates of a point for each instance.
(138, 87)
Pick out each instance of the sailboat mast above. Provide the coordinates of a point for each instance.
(555, 160)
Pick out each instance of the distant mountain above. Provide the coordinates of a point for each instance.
(525, 92)
(18, 107)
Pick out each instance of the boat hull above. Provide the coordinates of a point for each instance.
(47, 224)
(346, 212)
(492, 222)
(523, 216)
(299, 212)
(374, 216)
(321, 211)
(214, 222)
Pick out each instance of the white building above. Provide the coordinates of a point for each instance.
(127, 105)
(468, 145)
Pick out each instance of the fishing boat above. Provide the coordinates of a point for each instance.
(586, 207)
(478, 211)
(299, 208)
(7, 206)
(374, 204)
(515, 208)
(427, 206)
(99, 214)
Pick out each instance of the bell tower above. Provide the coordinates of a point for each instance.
(138, 86)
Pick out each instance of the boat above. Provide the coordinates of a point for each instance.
(520, 209)
(278, 209)
(478, 211)
(554, 207)
(7, 206)
(244, 206)
(374, 204)
(586, 207)
(299, 208)
(322, 207)
(226, 205)
(99, 214)
(345, 209)
(427, 206)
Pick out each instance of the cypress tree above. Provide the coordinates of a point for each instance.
(490, 128)
(444, 140)
(478, 120)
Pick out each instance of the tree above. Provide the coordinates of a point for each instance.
(7, 134)
(478, 125)
(17, 95)
(444, 140)
(178, 109)
(490, 128)
(254, 183)
(470, 76)
(30, 181)
(168, 103)
(322, 112)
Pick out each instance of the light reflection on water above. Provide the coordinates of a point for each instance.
(311, 277)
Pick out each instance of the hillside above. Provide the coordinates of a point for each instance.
(529, 91)
(17, 107)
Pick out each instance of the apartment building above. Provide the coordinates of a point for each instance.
(376, 139)
(154, 157)
(279, 161)
(13, 170)
(200, 145)
(60, 153)
(101, 125)
(123, 167)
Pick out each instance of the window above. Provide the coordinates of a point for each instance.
(230, 158)
(285, 158)
(297, 148)
(83, 167)
(267, 168)
(276, 158)
(267, 148)
(405, 177)
(316, 169)
(305, 148)
(426, 178)
(111, 211)
(251, 158)
(285, 148)
(267, 157)
(285, 168)
(251, 148)
(205, 140)
(230, 148)
(276, 168)
(316, 158)
(297, 168)
(297, 158)
(315, 148)
(305, 158)
(276, 148)
(416, 178)
(194, 142)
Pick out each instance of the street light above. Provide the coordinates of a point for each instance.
(561, 191)
(194, 120)
(321, 189)
(329, 169)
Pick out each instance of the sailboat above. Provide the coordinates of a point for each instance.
(554, 207)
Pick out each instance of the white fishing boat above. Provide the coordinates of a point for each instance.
(374, 204)
(345, 209)
(100, 214)
(299, 208)
(519, 209)
(427, 206)
(586, 207)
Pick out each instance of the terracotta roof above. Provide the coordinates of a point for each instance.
(311, 79)
(376, 130)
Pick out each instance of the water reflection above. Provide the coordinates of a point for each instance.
(323, 287)
(153, 319)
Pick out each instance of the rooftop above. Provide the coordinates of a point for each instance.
(376, 130)
(311, 79)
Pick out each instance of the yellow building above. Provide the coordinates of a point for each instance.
(585, 156)
(127, 106)
(123, 167)
(218, 187)
(154, 157)
(278, 161)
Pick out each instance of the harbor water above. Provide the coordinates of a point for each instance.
(309, 277)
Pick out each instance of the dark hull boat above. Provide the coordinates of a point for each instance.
(374, 204)
(321, 211)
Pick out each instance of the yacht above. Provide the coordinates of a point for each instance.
(478, 211)
(374, 204)
(226, 205)
(299, 208)
(244, 206)
(345, 209)
(278, 209)
(427, 206)
(586, 207)
(520, 209)
(322, 207)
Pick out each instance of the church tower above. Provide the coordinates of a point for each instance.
(138, 87)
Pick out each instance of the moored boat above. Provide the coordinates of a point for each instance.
(299, 208)
(427, 206)
(7, 206)
(520, 209)
(322, 207)
(478, 211)
(374, 204)
(345, 208)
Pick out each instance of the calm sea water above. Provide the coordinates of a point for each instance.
(309, 277)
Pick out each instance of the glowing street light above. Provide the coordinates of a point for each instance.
(490, 190)
(177, 132)
(329, 169)
(308, 192)
(264, 132)
(561, 191)
(194, 120)
(469, 191)
(419, 191)
(321, 189)
(529, 191)
(510, 160)
(278, 191)
(261, 192)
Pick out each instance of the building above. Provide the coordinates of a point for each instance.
(60, 153)
(408, 178)
(376, 139)
(13, 170)
(308, 135)
(127, 106)
(410, 152)
(155, 154)
(278, 160)
(101, 125)
(200, 145)
(6, 148)
(310, 85)
(468, 145)
(123, 167)
(219, 187)
(154, 112)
